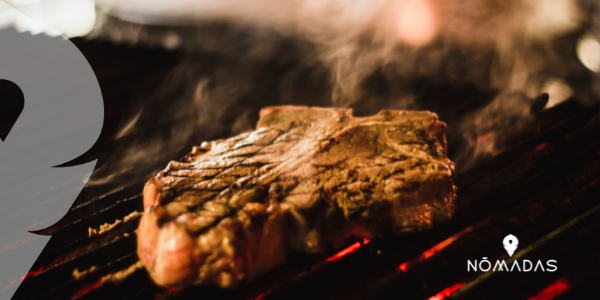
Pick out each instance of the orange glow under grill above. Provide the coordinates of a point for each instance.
(433, 250)
(348, 250)
(540, 146)
(446, 292)
(86, 289)
(403, 266)
(32, 273)
(345, 252)
(429, 253)
(556, 288)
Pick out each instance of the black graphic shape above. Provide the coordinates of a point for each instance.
(12, 102)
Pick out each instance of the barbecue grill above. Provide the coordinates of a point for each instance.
(542, 185)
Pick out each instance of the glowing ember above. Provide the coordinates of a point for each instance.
(33, 273)
(556, 288)
(260, 296)
(346, 251)
(540, 147)
(446, 292)
(86, 289)
(29, 274)
(429, 253)
(403, 266)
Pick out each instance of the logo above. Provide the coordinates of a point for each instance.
(510, 244)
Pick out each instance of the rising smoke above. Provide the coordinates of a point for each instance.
(364, 54)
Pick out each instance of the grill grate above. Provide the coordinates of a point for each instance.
(543, 187)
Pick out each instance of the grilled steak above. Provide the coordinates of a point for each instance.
(232, 209)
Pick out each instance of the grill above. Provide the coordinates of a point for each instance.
(543, 187)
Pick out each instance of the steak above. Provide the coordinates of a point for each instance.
(306, 178)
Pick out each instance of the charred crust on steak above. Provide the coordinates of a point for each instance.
(306, 177)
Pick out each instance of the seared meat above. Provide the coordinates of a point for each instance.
(232, 209)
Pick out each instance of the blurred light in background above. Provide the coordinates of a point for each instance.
(69, 17)
(588, 51)
(416, 21)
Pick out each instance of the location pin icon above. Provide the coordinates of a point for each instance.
(510, 244)
(12, 102)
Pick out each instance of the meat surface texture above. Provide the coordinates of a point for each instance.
(306, 178)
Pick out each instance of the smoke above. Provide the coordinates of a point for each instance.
(357, 37)
(364, 54)
(203, 97)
